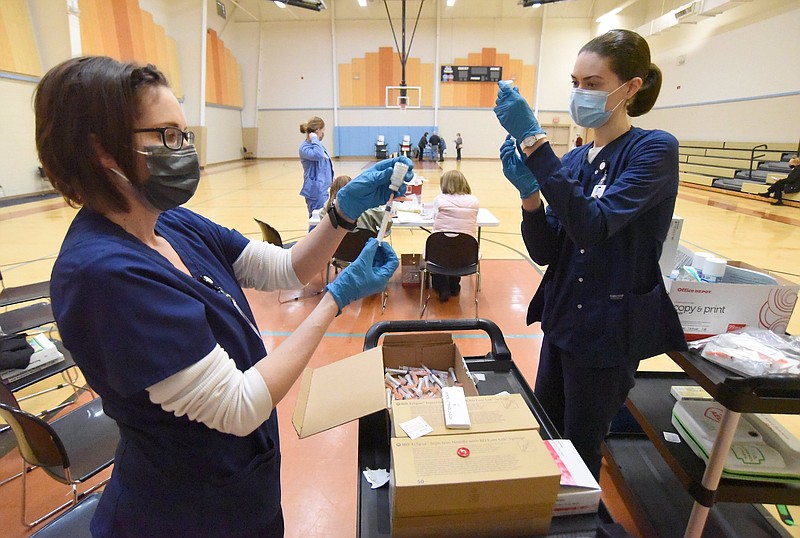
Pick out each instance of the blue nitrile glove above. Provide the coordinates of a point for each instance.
(514, 114)
(515, 170)
(367, 275)
(371, 188)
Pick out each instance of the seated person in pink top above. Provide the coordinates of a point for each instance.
(455, 210)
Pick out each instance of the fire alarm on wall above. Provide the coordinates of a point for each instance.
(556, 119)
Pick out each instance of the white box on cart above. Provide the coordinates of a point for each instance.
(746, 297)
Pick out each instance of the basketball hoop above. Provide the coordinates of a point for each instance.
(403, 97)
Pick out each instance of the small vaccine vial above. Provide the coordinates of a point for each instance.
(714, 269)
(699, 260)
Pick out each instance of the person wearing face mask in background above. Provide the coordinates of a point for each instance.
(148, 298)
(317, 165)
(602, 301)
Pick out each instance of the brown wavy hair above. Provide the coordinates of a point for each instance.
(83, 102)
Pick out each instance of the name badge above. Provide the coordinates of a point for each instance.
(598, 190)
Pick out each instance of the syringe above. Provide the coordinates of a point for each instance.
(398, 173)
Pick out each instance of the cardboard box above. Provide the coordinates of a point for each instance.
(469, 484)
(670, 247)
(747, 296)
(322, 404)
(409, 269)
(579, 492)
(502, 412)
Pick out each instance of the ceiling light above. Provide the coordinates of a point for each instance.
(451, 3)
(314, 5)
(362, 3)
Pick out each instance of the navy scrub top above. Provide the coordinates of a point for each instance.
(602, 297)
(131, 319)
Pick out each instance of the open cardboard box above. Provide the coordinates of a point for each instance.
(322, 404)
(501, 412)
(746, 296)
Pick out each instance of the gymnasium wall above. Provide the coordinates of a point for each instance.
(731, 79)
(19, 70)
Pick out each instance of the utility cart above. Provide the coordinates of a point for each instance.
(501, 374)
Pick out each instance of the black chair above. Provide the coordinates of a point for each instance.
(74, 523)
(348, 250)
(449, 254)
(271, 235)
(22, 294)
(71, 449)
(26, 317)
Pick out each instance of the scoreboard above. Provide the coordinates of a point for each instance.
(471, 73)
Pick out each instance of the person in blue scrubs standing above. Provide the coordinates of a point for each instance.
(602, 301)
(317, 165)
(148, 297)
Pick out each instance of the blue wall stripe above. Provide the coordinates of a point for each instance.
(360, 141)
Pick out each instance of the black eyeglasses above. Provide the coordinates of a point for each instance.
(171, 137)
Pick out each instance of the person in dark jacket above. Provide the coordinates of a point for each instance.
(422, 144)
(791, 183)
(434, 142)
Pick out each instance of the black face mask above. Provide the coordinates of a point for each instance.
(174, 175)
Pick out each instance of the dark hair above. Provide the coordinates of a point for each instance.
(628, 56)
(83, 102)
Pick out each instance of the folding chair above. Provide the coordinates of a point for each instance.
(271, 235)
(26, 317)
(23, 294)
(449, 254)
(347, 252)
(70, 450)
(74, 522)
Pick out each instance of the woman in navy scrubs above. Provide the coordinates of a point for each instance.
(602, 301)
(148, 298)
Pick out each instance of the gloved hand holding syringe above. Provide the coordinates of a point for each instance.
(398, 173)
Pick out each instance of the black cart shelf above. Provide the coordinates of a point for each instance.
(651, 405)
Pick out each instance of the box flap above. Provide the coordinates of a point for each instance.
(340, 392)
(506, 412)
(574, 472)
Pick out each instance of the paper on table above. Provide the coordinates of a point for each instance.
(416, 427)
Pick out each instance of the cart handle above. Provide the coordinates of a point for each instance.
(499, 348)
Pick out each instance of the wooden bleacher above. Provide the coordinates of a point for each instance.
(726, 167)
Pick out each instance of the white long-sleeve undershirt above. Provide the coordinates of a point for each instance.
(213, 390)
(216, 393)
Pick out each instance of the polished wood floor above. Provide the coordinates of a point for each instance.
(319, 473)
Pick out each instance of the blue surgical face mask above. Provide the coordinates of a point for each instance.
(588, 107)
